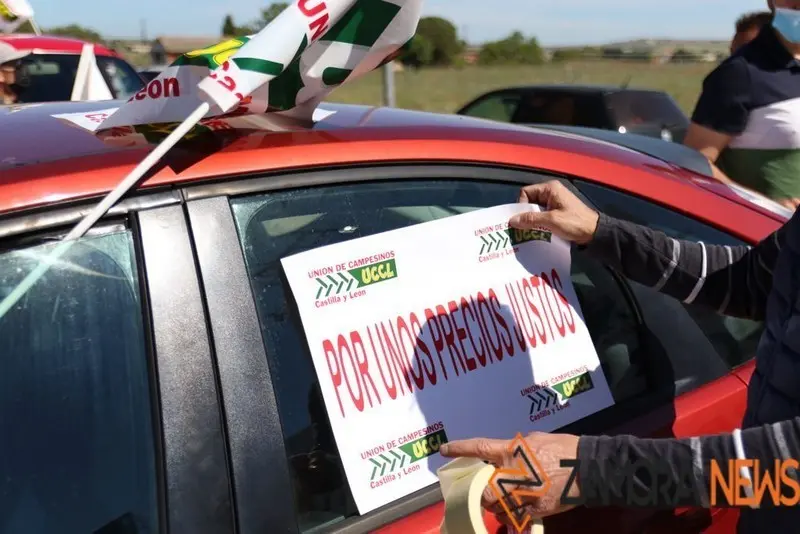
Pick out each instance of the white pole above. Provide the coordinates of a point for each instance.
(92, 217)
(37, 31)
(388, 85)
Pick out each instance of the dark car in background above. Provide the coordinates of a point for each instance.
(625, 110)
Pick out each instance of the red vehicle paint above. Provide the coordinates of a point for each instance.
(45, 163)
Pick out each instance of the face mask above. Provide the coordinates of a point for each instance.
(787, 22)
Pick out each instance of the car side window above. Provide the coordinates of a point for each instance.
(704, 332)
(279, 224)
(561, 108)
(120, 77)
(77, 449)
(499, 107)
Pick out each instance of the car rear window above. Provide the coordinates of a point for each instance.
(50, 77)
(634, 108)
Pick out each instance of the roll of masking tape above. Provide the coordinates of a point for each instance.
(462, 482)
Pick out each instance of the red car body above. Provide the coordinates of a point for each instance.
(52, 44)
(46, 164)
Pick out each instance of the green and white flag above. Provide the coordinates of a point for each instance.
(13, 14)
(272, 80)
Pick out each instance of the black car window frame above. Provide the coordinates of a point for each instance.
(610, 418)
(183, 500)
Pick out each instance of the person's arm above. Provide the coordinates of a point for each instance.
(721, 112)
(685, 463)
(732, 280)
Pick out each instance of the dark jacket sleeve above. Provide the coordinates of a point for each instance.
(732, 280)
(685, 470)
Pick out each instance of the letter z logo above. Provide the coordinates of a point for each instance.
(526, 479)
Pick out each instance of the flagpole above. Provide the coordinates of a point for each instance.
(93, 216)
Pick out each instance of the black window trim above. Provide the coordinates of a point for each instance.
(259, 464)
(198, 490)
(633, 407)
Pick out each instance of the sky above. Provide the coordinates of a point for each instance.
(552, 22)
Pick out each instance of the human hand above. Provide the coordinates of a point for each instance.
(566, 215)
(547, 450)
(791, 203)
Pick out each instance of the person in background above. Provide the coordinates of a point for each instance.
(8, 77)
(747, 119)
(748, 26)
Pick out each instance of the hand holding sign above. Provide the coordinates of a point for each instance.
(566, 216)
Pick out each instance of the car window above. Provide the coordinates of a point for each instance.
(561, 108)
(733, 339)
(279, 224)
(46, 77)
(123, 80)
(77, 451)
(498, 107)
(635, 108)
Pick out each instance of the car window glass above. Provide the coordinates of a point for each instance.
(123, 80)
(279, 224)
(499, 107)
(77, 451)
(635, 108)
(734, 339)
(561, 108)
(46, 77)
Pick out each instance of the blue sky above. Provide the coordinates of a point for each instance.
(553, 22)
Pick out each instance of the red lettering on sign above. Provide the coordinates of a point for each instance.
(97, 117)
(320, 24)
(158, 88)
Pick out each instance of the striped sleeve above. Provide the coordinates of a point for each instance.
(732, 280)
(683, 463)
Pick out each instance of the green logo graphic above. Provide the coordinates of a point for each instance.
(502, 239)
(406, 454)
(334, 284)
(574, 386)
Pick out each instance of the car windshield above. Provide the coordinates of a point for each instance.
(50, 77)
(637, 108)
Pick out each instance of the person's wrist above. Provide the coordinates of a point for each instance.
(592, 223)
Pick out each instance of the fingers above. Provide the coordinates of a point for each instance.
(489, 450)
(531, 219)
(536, 193)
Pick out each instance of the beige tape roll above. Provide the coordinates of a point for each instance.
(462, 482)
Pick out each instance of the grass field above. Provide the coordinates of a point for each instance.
(445, 90)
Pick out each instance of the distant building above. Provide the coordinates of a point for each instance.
(471, 54)
(166, 49)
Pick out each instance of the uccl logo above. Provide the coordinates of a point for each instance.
(500, 240)
(352, 279)
(212, 56)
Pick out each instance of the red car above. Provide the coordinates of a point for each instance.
(47, 72)
(157, 378)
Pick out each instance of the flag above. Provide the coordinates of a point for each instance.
(89, 82)
(13, 14)
(272, 80)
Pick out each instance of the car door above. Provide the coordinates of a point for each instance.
(109, 414)
(281, 444)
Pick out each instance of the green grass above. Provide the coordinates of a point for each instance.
(445, 90)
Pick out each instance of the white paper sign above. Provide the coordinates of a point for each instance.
(451, 329)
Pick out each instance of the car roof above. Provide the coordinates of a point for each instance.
(44, 161)
(51, 44)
